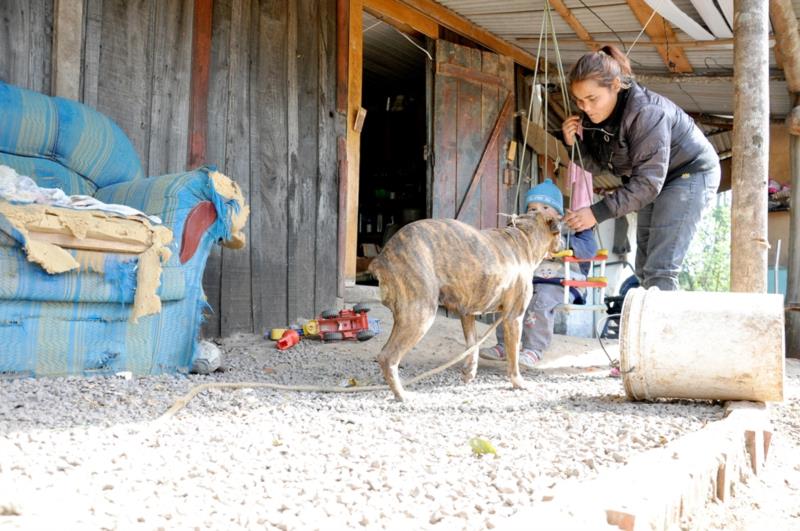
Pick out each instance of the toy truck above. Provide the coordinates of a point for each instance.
(346, 324)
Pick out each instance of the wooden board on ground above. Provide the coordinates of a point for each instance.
(658, 488)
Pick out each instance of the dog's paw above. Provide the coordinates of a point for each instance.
(518, 383)
(403, 397)
(468, 373)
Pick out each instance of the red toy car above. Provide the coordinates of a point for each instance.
(346, 324)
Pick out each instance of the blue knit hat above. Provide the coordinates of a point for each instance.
(546, 193)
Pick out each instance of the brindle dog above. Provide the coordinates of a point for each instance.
(468, 271)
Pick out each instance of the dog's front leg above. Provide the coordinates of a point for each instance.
(471, 361)
(512, 330)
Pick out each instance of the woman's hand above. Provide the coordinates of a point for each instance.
(570, 128)
(579, 220)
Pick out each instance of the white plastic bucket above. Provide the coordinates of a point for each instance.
(717, 346)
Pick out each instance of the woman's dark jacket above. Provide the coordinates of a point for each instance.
(647, 141)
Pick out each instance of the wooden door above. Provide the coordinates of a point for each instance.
(472, 126)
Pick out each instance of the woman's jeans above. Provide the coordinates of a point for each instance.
(666, 226)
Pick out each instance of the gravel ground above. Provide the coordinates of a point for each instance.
(84, 453)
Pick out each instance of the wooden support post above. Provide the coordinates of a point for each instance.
(749, 244)
(354, 70)
(67, 45)
(787, 36)
(201, 69)
(787, 40)
(793, 281)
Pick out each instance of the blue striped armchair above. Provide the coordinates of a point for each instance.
(79, 322)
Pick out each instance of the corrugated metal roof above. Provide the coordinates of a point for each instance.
(388, 55)
(717, 97)
(519, 22)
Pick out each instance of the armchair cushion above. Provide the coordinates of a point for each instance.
(67, 133)
(102, 277)
(49, 174)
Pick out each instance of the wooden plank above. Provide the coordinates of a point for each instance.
(217, 134)
(430, 77)
(25, 43)
(326, 283)
(201, 63)
(67, 44)
(525, 154)
(662, 487)
(168, 137)
(444, 137)
(68, 241)
(39, 52)
(541, 141)
(303, 156)
(491, 107)
(463, 26)
(355, 80)
(569, 17)
(467, 74)
(489, 153)
(269, 168)
(505, 194)
(236, 313)
(400, 15)
(13, 36)
(470, 140)
(658, 29)
(91, 51)
(342, 53)
(125, 71)
(792, 302)
(342, 229)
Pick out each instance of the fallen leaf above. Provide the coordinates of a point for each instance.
(481, 446)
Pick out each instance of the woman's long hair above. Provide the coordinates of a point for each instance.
(603, 66)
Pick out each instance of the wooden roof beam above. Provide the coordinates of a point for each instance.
(660, 31)
(716, 43)
(574, 23)
(461, 25)
(787, 37)
(403, 17)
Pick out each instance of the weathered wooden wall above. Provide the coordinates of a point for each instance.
(272, 118)
(271, 126)
(26, 29)
(137, 59)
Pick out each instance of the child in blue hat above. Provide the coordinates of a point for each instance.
(548, 293)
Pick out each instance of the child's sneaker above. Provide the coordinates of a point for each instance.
(529, 358)
(495, 353)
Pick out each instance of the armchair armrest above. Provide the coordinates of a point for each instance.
(179, 197)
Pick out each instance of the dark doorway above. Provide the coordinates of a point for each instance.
(393, 188)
